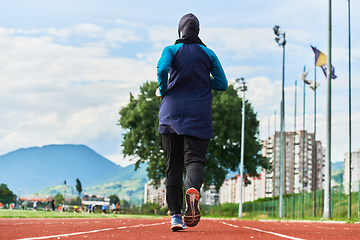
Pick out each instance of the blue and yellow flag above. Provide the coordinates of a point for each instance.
(321, 61)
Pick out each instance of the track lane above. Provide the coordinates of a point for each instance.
(121, 228)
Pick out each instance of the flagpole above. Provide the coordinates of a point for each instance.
(294, 149)
(327, 195)
(274, 165)
(267, 171)
(303, 153)
(315, 154)
(349, 198)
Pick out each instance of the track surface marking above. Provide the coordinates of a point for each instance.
(121, 228)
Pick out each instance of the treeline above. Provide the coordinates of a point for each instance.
(6, 195)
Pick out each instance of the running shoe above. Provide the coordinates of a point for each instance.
(177, 223)
(192, 212)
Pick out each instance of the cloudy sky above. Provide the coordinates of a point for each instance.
(67, 67)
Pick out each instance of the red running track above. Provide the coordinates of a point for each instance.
(121, 228)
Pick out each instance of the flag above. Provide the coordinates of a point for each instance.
(303, 77)
(321, 61)
(312, 84)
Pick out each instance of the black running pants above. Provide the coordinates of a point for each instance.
(183, 151)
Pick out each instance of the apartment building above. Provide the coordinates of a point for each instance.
(209, 197)
(152, 195)
(230, 190)
(355, 171)
(300, 169)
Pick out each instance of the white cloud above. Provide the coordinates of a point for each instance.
(232, 71)
(152, 58)
(61, 33)
(263, 93)
(63, 94)
(119, 159)
(126, 23)
(64, 80)
(162, 36)
(240, 42)
(121, 35)
(88, 29)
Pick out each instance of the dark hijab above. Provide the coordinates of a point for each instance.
(188, 30)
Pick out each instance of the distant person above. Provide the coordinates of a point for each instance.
(52, 203)
(93, 208)
(104, 209)
(76, 209)
(63, 209)
(113, 207)
(187, 72)
(89, 208)
(35, 206)
(117, 208)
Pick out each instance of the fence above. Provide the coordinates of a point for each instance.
(298, 206)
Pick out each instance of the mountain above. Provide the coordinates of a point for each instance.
(337, 166)
(30, 170)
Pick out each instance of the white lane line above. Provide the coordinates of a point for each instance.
(93, 231)
(277, 234)
(259, 230)
(229, 224)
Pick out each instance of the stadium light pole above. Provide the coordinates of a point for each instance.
(243, 88)
(280, 39)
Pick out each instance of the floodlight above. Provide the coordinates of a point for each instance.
(276, 30)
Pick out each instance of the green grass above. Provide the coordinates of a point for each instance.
(5, 213)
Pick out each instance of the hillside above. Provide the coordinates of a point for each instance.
(337, 172)
(337, 166)
(35, 169)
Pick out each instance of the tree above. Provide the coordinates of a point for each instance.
(78, 186)
(124, 203)
(6, 195)
(114, 199)
(75, 201)
(59, 199)
(142, 140)
(140, 118)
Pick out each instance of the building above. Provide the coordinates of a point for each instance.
(230, 190)
(355, 171)
(98, 201)
(300, 169)
(152, 195)
(209, 197)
